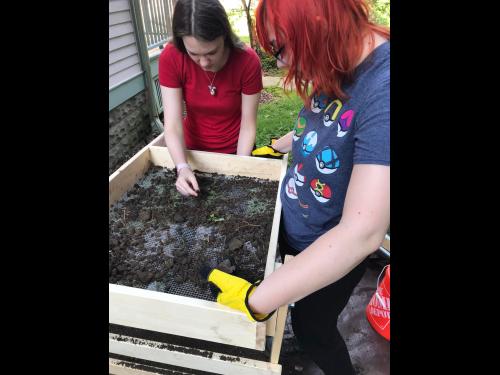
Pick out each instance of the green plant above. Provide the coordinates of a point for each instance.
(276, 118)
(213, 218)
(269, 64)
(255, 206)
(211, 197)
(175, 197)
(245, 39)
(235, 16)
(380, 11)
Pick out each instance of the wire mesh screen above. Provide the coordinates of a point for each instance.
(202, 245)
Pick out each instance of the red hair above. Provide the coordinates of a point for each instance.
(323, 40)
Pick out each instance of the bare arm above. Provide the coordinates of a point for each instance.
(174, 135)
(364, 222)
(186, 182)
(246, 139)
(284, 144)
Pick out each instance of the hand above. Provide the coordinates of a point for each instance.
(186, 183)
(234, 293)
(268, 151)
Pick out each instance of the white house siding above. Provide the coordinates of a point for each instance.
(124, 61)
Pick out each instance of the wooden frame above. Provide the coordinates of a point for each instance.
(177, 355)
(191, 317)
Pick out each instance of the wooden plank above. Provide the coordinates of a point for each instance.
(157, 140)
(280, 327)
(278, 336)
(273, 241)
(120, 367)
(160, 141)
(183, 316)
(160, 156)
(183, 357)
(126, 176)
(271, 322)
(213, 162)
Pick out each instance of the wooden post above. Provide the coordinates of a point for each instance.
(280, 328)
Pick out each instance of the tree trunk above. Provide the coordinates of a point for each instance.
(249, 21)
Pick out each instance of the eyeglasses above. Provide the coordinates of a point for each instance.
(277, 54)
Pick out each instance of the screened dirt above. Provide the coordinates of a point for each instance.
(162, 241)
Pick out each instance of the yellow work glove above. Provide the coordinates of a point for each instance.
(234, 293)
(268, 151)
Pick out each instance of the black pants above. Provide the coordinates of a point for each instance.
(314, 319)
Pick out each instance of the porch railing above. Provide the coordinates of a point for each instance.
(157, 21)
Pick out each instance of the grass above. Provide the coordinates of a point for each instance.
(276, 118)
(245, 39)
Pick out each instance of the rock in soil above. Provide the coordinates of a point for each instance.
(235, 244)
(226, 266)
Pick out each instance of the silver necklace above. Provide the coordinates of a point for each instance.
(211, 87)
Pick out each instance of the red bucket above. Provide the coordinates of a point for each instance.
(378, 311)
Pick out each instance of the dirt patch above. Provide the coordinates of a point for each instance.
(162, 241)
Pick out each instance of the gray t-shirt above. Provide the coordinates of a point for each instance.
(328, 140)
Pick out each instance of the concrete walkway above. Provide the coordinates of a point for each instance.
(272, 81)
(370, 352)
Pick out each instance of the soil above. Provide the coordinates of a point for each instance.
(162, 241)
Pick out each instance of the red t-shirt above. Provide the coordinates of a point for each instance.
(212, 123)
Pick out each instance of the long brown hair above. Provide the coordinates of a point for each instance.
(202, 19)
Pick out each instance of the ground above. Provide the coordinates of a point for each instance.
(368, 350)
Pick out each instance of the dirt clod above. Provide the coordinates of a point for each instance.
(226, 266)
(235, 244)
(145, 215)
(178, 218)
(145, 277)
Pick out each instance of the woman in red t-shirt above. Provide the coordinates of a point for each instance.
(220, 80)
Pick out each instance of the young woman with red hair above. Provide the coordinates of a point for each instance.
(335, 195)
